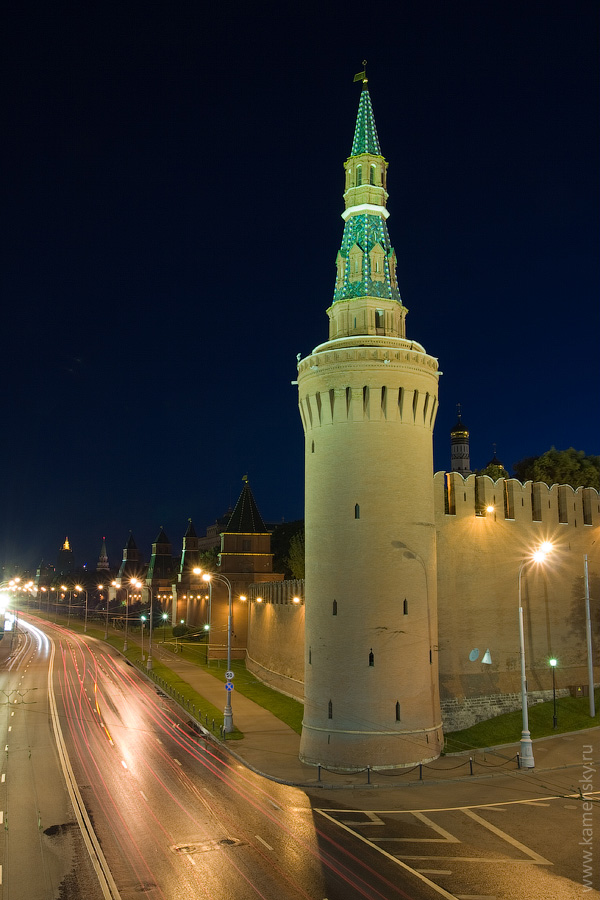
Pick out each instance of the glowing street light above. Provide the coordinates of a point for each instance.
(526, 755)
(228, 713)
(143, 621)
(165, 616)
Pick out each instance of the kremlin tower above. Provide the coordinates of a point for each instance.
(368, 402)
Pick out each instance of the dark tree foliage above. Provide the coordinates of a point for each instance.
(494, 472)
(281, 539)
(554, 466)
(296, 555)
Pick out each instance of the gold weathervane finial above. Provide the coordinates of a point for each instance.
(362, 76)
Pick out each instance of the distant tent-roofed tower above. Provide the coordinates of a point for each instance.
(102, 564)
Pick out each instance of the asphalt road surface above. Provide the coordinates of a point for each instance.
(108, 790)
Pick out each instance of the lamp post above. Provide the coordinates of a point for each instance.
(588, 635)
(527, 760)
(553, 663)
(228, 713)
(126, 618)
(138, 584)
(206, 577)
(82, 590)
(165, 616)
(143, 621)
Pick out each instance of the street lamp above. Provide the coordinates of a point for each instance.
(228, 713)
(63, 587)
(138, 584)
(588, 635)
(206, 577)
(83, 591)
(143, 621)
(526, 755)
(553, 664)
(127, 616)
(165, 616)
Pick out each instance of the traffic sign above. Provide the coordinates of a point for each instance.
(229, 675)
(229, 686)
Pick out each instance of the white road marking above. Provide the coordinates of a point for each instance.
(435, 871)
(144, 796)
(371, 816)
(535, 803)
(123, 763)
(535, 857)
(3, 777)
(435, 887)
(258, 837)
(177, 761)
(446, 837)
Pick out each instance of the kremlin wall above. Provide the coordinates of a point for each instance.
(479, 554)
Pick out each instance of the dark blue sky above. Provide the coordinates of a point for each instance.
(172, 198)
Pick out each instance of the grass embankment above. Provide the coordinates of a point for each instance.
(572, 714)
(284, 708)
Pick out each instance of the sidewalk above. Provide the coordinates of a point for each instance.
(271, 748)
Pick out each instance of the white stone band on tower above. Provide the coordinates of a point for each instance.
(368, 401)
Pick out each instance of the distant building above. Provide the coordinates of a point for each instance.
(65, 561)
(460, 457)
(102, 564)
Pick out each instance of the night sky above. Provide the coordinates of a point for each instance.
(172, 191)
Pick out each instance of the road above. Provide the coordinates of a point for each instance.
(157, 810)
(174, 816)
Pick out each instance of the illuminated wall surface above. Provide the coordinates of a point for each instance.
(478, 559)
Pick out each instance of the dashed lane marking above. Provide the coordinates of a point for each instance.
(258, 838)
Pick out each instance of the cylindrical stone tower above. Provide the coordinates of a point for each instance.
(368, 401)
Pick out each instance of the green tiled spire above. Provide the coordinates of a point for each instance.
(365, 134)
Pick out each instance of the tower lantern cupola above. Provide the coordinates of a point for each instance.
(366, 298)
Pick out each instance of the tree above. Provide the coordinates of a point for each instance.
(554, 466)
(494, 472)
(295, 558)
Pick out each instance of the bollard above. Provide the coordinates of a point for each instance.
(420, 771)
(213, 724)
(518, 761)
(368, 774)
(319, 772)
(471, 765)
